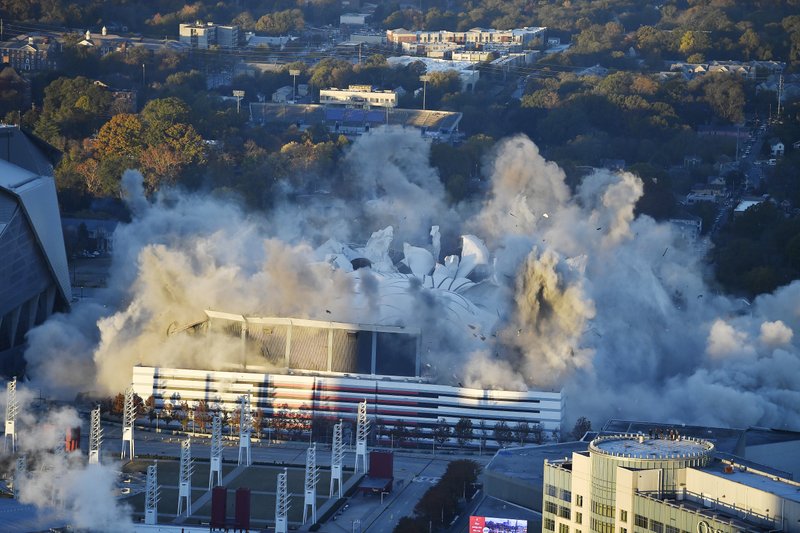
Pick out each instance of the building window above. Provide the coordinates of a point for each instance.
(640, 521)
(623, 530)
(579, 500)
(566, 495)
(551, 490)
(563, 512)
(550, 507)
(578, 518)
(672, 529)
(549, 524)
(599, 526)
(623, 515)
(602, 509)
(656, 526)
(563, 528)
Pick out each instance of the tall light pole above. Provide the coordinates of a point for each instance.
(143, 75)
(238, 95)
(424, 79)
(293, 72)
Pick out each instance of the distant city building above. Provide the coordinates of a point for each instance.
(475, 37)
(363, 96)
(354, 19)
(438, 125)
(746, 204)
(34, 277)
(664, 482)
(283, 94)
(206, 35)
(31, 52)
(266, 41)
(473, 56)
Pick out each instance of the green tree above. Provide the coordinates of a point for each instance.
(502, 434)
(120, 137)
(582, 425)
(522, 430)
(442, 431)
(281, 22)
(72, 109)
(464, 431)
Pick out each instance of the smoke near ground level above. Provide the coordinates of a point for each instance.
(573, 292)
(62, 483)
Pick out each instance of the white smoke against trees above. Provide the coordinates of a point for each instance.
(60, 483)
(584, 297)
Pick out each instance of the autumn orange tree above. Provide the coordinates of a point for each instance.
(159, 141)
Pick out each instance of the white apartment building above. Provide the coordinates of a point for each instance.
(664, 483)
(358, 96)
(204, 36)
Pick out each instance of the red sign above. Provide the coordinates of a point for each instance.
(476, 524)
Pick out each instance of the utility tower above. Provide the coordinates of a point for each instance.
(95, 437)
(151, 496)
(245, 428)
(312, 476)
(20, 474)
(337, 458)
(215, 466)
(282, 504)
(362, 430)
(185, 477)
(128, 418)
(12, 409)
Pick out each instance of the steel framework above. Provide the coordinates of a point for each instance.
(245, 429)
(12, 409)
(152, 496)
(128, 418)
(312, 477)
(282, 503)
(95, 437)
(215, 466)
(185, 477)
(20, 474)
(362, 430)
(337, 458)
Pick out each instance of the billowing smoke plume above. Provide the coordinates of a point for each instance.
(61, 484)
(570, 291)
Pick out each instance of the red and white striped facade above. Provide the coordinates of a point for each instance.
(411, 402)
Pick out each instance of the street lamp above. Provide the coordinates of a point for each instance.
(424, 79)
(293, 72)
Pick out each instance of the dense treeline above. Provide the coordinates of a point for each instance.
(697, 29)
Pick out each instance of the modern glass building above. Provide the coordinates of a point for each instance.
(664, 483)
(34, 278)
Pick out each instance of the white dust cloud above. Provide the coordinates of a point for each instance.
(584, 297)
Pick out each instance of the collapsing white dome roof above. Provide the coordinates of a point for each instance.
(387, 294)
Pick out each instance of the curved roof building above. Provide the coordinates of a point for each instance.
(34, 277)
